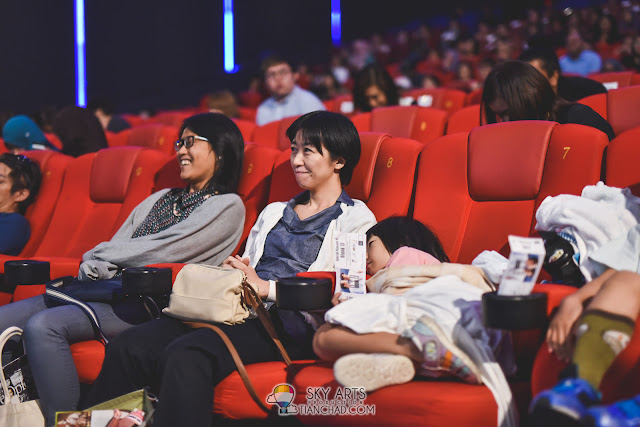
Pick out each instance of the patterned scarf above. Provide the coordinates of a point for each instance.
(172, 208)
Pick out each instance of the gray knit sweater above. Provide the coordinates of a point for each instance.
(208, 236)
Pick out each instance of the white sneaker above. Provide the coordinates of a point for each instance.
(373, 371)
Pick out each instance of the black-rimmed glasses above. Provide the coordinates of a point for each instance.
(188, 142)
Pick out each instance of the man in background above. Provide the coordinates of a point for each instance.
(287, 99)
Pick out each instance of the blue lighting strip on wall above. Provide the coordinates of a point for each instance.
(81, 64)
(229, 54)
(336, 22)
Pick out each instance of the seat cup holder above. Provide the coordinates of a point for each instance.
(303, 293)
(26, 272)
(146, 281)
(517, 312)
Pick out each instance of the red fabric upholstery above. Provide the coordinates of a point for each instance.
(246, 128)
(622, 159)
(247, 113)
(425, 403)
(52, 166)
(117, 139)
(622, 78)
(267, 134)
(88, 357)
(168, 176)
(422, 124)
(464, 119)
(622, 108)
(635, 79)
(154, 135)
(499, 199)
(449, 100)
(53, 139)
(114, 188)
(393, 179)
(362, 178)
(474, 98)
(516, 165)
(254, 182)
(342, 104)
(598, 102)
(171, 118)
(362, 122)
(3, 148)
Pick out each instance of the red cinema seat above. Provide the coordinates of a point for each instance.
(3, 148)
(362, 122)
(613, 80)
(98, 193)
(118, 139)
(172, 118)
(623, 106)
(474, 191)
(474, 98)
(153, 135)
(274, 134)
(253, 187)
(246, 128)
(635, 79)
(248, 114)
(622, 159)
(464, 119)
(597, 102)
(52, 166)
(343, 104)
(419, 123)
(449, 100)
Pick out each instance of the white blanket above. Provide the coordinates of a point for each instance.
(601, 215)
(456, 306)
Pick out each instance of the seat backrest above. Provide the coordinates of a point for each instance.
(154, 135)
(362, 122)
(613, 80)
(342, 104)
(253, 187)
(473, 98)
(98, 193)
(597, 102)
(635, 79)
(623, 107)
(274, 134)
(52, 166)
(3, 148)
(449, 100)
(464, 119)
(622, 159)
(474, 191)
(419, 123)
(246, 128)
(172, 118)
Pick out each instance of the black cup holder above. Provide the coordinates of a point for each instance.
(516, 312)
(303, 293)
(26, 272)
(146, 281)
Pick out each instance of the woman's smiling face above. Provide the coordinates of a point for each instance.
(197, 163)
(312, 169)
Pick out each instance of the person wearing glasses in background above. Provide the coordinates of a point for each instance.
(201, 223)
(287, 99)
(19, 183)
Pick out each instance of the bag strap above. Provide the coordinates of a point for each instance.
(4, 337)
(238, 361)
(254, 300)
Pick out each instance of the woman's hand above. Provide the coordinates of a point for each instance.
(559, 334)
(252, 277)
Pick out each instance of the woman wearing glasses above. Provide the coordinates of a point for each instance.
(201, 223)
(19, 183)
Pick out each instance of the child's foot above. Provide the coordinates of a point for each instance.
(373, 371)
(565, 404)
(620, 414)
(441, 356)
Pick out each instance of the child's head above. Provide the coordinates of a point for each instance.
(387, 236)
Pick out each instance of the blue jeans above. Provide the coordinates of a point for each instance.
(48, 333)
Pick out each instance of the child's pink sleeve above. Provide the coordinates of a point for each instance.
(411, 256)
